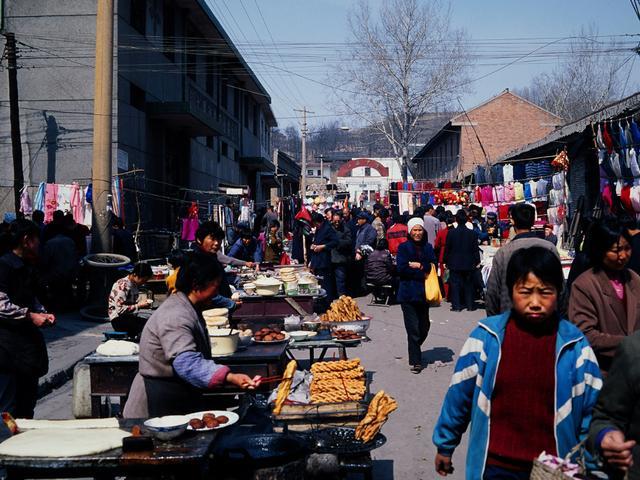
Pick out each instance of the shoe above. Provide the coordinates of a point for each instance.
(416, 368)
(456, 309)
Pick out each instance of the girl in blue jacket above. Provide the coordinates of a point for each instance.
(526, 380)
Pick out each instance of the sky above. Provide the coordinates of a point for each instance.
(297, 70)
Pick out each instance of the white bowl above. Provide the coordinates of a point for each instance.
(299, 335)
(166, 428)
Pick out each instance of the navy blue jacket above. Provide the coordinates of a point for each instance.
(327, 236)
(366, 236)
(251, 253)
(411, 286)
(462, 252)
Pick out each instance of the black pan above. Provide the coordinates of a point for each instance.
(261, 450)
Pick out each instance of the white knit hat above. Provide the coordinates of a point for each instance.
(415, 222)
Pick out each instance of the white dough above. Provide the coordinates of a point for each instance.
(117, 348)
(62, 443)
(25, 424)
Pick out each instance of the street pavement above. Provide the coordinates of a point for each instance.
(408, 454)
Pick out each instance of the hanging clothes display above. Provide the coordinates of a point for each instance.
(77, 205)
(50, 201)
(38, 202)
(190, 224)
(26, 207)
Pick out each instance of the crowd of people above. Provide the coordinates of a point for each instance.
(563, 351)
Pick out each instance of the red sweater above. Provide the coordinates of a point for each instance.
(522, 407)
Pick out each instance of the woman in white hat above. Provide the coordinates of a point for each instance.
(414, 264)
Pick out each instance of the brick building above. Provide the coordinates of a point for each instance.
(503, 123)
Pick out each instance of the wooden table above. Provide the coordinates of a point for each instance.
(112, 376)
(184, 457)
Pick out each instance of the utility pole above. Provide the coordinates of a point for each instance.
(304, 131)
(14, 119)
(102, 110)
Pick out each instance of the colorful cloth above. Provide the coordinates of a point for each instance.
(77, 207)
(50, 201)
(25, 202)
(38, 203)
(123, 298)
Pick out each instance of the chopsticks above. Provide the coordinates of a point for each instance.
(274, 379)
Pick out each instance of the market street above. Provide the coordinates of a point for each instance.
(409, 452)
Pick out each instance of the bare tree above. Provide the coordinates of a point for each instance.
(588, 77)
(403, 62)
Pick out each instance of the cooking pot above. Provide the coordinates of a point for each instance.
(224, 341)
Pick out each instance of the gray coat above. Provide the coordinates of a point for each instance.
(497, 299)
(173, 329)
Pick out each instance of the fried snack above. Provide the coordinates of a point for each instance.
(337, 366)
(344, 309)
(222, 419)
(211, 422)
(377, 414)
(136, 431)
(339, 381)
(196, 423)
(284, 387)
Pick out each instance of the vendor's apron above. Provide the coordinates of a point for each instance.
(171, 396)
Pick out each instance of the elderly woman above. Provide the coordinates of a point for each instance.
(605, 300)
(414, 260)
(175, 353)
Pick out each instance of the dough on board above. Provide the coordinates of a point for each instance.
(62, 443)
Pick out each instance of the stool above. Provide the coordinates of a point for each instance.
(380, 294)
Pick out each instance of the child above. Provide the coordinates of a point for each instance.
(526, 380)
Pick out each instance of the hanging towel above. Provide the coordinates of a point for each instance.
(25, 202)
(77, 207)
(38, 203)
(518, 191)
(64, 198)
(50, 201)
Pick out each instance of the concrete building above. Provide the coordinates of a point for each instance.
(188, 111)
(502, 123)
(367, 179)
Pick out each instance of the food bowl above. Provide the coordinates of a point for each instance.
(167, 428)
(358, 326)
(299, 335)
(268, 286)
(224, 341)
(249, 288)
(311, 326)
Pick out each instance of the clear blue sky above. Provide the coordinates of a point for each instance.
(299, 26)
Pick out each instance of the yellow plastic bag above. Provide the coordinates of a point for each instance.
(432, 287)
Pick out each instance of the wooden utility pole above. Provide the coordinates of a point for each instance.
(102, 122)
(14, 119)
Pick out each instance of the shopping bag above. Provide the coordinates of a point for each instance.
(432, 287)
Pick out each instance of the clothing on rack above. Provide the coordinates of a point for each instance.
(26, 206)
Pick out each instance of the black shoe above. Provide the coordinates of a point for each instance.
(416, 369)
(456, 309)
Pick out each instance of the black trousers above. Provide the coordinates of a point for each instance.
(416, 323)
(462, 289)
(131, 323)
(18, 394)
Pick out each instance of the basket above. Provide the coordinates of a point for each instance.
(541, 471)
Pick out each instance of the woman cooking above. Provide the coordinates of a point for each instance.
(175, 353)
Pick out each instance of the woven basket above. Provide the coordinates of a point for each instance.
(544, 472)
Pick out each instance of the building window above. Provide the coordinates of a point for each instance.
(319, 173)
(139, 15)
(367, 171)
(137, 97)
(224, 149)
(168, 30)
(309, 173)
(210, 142)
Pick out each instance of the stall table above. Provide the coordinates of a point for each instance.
(184, 457)
(112, 376)
(265, 309)
(323, 345)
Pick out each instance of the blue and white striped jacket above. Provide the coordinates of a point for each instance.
(578, 383)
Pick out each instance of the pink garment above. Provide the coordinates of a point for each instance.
(478, 195)
(50, 201)
(77, 209)
(26, 207)
(189, 227)
(618, 287)
(487, 195)
(499, 193)
(509, 193)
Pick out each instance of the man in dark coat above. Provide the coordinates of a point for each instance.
(324, 240)
(462, 258)
(341, 255)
